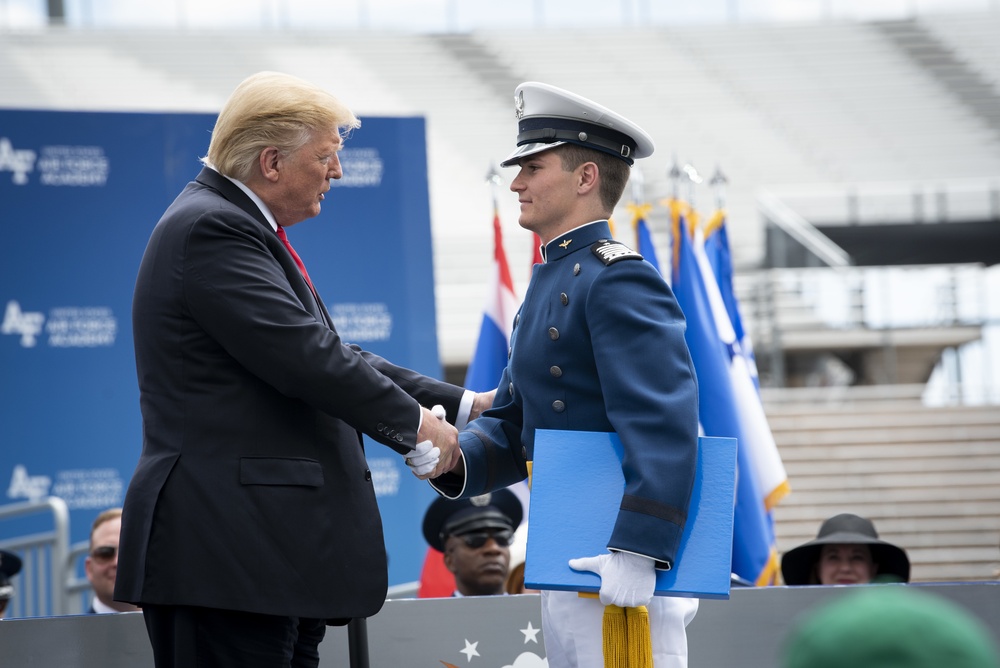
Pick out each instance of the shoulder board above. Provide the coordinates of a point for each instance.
(610, 251)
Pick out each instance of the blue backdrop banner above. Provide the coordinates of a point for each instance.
(80, 193)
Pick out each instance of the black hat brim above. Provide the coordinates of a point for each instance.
(798, 563)
(446, 516)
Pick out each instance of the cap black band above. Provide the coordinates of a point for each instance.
(547, 129)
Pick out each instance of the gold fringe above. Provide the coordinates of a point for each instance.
(626, 640)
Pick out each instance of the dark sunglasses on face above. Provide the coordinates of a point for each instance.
(104, 553)
(477, 539)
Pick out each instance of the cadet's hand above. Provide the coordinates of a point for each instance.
(442, 436)
(423, 459)
(482, 401)
(627, 580)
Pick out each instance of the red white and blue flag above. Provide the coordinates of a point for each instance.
(490, 358)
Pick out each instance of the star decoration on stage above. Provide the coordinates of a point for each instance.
(494, 656)
(470, 649)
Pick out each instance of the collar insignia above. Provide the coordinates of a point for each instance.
(566, 243)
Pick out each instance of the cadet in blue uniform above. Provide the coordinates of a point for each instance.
(598, 345)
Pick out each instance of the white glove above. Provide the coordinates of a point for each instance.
(424, 458)
(627, 580)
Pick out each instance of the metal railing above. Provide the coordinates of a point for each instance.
(40, 587)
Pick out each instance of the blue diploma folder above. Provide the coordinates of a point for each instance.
(576, 489)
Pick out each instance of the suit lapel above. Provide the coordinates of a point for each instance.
(229, 190)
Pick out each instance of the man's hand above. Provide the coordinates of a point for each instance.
(443, 437)
(482, 401)
(627, 580)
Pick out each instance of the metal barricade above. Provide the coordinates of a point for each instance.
(41, 586)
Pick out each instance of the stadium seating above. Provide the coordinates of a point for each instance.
(829, 104)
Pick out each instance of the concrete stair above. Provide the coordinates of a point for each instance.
(928, 477)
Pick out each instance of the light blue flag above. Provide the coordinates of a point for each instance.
(771, 477)
(754, 558)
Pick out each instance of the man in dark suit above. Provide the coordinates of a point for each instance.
(251, 521)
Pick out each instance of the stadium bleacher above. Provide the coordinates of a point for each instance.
(831, 104)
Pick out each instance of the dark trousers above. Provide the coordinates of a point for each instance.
(193, 637)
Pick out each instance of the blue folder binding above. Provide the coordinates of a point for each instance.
(576, 490)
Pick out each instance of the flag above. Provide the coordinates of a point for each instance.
(490, 357)
(536, 254)
(644, 240)
(720, 257)
(720, 393)
(772, 480)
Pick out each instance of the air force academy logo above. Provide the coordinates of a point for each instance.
(28, 325)
(65, 326)
(18, 161)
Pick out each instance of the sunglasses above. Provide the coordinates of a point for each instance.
(104, 553)
(477, 539)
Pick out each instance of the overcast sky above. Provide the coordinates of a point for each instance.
(462, 15)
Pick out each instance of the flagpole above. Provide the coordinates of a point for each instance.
(718, 183)
(493, 178)
(674, 174)
(638, 181)
(693, 178)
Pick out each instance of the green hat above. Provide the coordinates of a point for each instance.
(890, 626)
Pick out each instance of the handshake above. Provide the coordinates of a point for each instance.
(425, 459)
(437, 450)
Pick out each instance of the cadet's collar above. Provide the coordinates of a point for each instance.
(575, 239)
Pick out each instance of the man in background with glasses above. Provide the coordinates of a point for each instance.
(101, 564)
(474, 535)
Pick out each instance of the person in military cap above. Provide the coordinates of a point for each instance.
(475, 535)
(598, 345)
(10, 565)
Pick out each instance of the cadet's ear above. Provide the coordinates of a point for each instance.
(589, 174)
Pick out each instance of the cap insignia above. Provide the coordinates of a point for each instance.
(481, 500)
(519, 105)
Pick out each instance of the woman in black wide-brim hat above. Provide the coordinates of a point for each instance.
(847, 550)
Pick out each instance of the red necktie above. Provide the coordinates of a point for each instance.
(295, 256)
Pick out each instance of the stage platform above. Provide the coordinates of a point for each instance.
(492, 632)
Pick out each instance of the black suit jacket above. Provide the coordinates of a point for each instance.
(252, 492)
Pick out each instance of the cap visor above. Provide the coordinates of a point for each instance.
(524, 150)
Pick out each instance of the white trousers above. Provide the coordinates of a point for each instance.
(571, 626)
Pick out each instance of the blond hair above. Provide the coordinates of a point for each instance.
(271, 109)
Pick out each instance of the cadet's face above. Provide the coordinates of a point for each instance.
(846, 564)
(479, 571)
(304, 178)
(546, 192)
